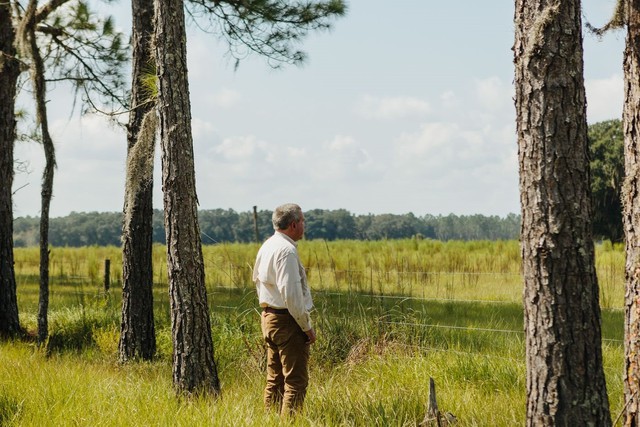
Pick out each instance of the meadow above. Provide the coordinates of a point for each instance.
(389, 315)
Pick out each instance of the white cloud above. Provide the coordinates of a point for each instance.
(90, 155)
(227, 98)
(342, 158)
(240, 148)
(203, 52)
(440, 149)
(296, 154)
(371, 107)
(449, 99)
(90, 138)
(605, 98)
(428, 144)
(203, 132)
(467, 158)
(242, 152)
(493, 94)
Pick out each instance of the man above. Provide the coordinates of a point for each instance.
(285, 299)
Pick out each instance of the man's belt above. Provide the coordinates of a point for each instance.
(275, 310)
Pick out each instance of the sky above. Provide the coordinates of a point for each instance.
(403, 106)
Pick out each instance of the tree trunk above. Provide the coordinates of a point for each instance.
(40, 93)
(9, 71)
(137, 331)
(565, 379)
(194, 369)
(631, 214)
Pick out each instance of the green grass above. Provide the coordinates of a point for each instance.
(458, 320)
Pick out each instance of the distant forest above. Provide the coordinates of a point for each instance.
(219, 225)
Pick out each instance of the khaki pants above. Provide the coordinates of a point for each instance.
(287, 363)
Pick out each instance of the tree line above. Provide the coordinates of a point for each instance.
(228, 225)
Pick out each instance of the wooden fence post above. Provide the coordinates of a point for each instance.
(107, 274)
(434, 417)
(255, 223)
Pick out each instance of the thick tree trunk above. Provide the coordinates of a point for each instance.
(565, 378)
(137, 331)
(194, 369)
(631, 214)
(9, 71)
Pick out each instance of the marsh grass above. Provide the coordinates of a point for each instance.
(422, 268)
(389, 316)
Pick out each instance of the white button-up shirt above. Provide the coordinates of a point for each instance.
(280, 279)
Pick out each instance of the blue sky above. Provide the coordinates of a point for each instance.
(403, 106)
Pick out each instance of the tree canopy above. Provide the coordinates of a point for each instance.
(270, 28)
(606, 148)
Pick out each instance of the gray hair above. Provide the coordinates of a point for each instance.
(284, 215)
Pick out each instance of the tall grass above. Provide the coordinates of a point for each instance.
(389, 315)
(421, 268)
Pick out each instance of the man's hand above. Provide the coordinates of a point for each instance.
(311, 336)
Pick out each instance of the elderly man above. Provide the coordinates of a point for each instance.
(285, 299)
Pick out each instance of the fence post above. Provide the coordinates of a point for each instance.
(433, 417)
(255, 223)
(107, 274)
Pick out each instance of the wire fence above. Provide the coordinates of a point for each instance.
(429, 325)
(399, 288)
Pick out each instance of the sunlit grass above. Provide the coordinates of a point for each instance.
(389, 316)
(476, 270)
(386, 385)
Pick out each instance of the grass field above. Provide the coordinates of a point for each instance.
(389, 316)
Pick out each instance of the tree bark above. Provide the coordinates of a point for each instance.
(137, 331)
(194, 369)
(40, 93)
(565, 378)
(9, 72)
(631, 214)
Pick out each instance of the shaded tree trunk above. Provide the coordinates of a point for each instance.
(194, 369)
(137, 331)
(631, 214)
(565, 379)
(9, 72)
